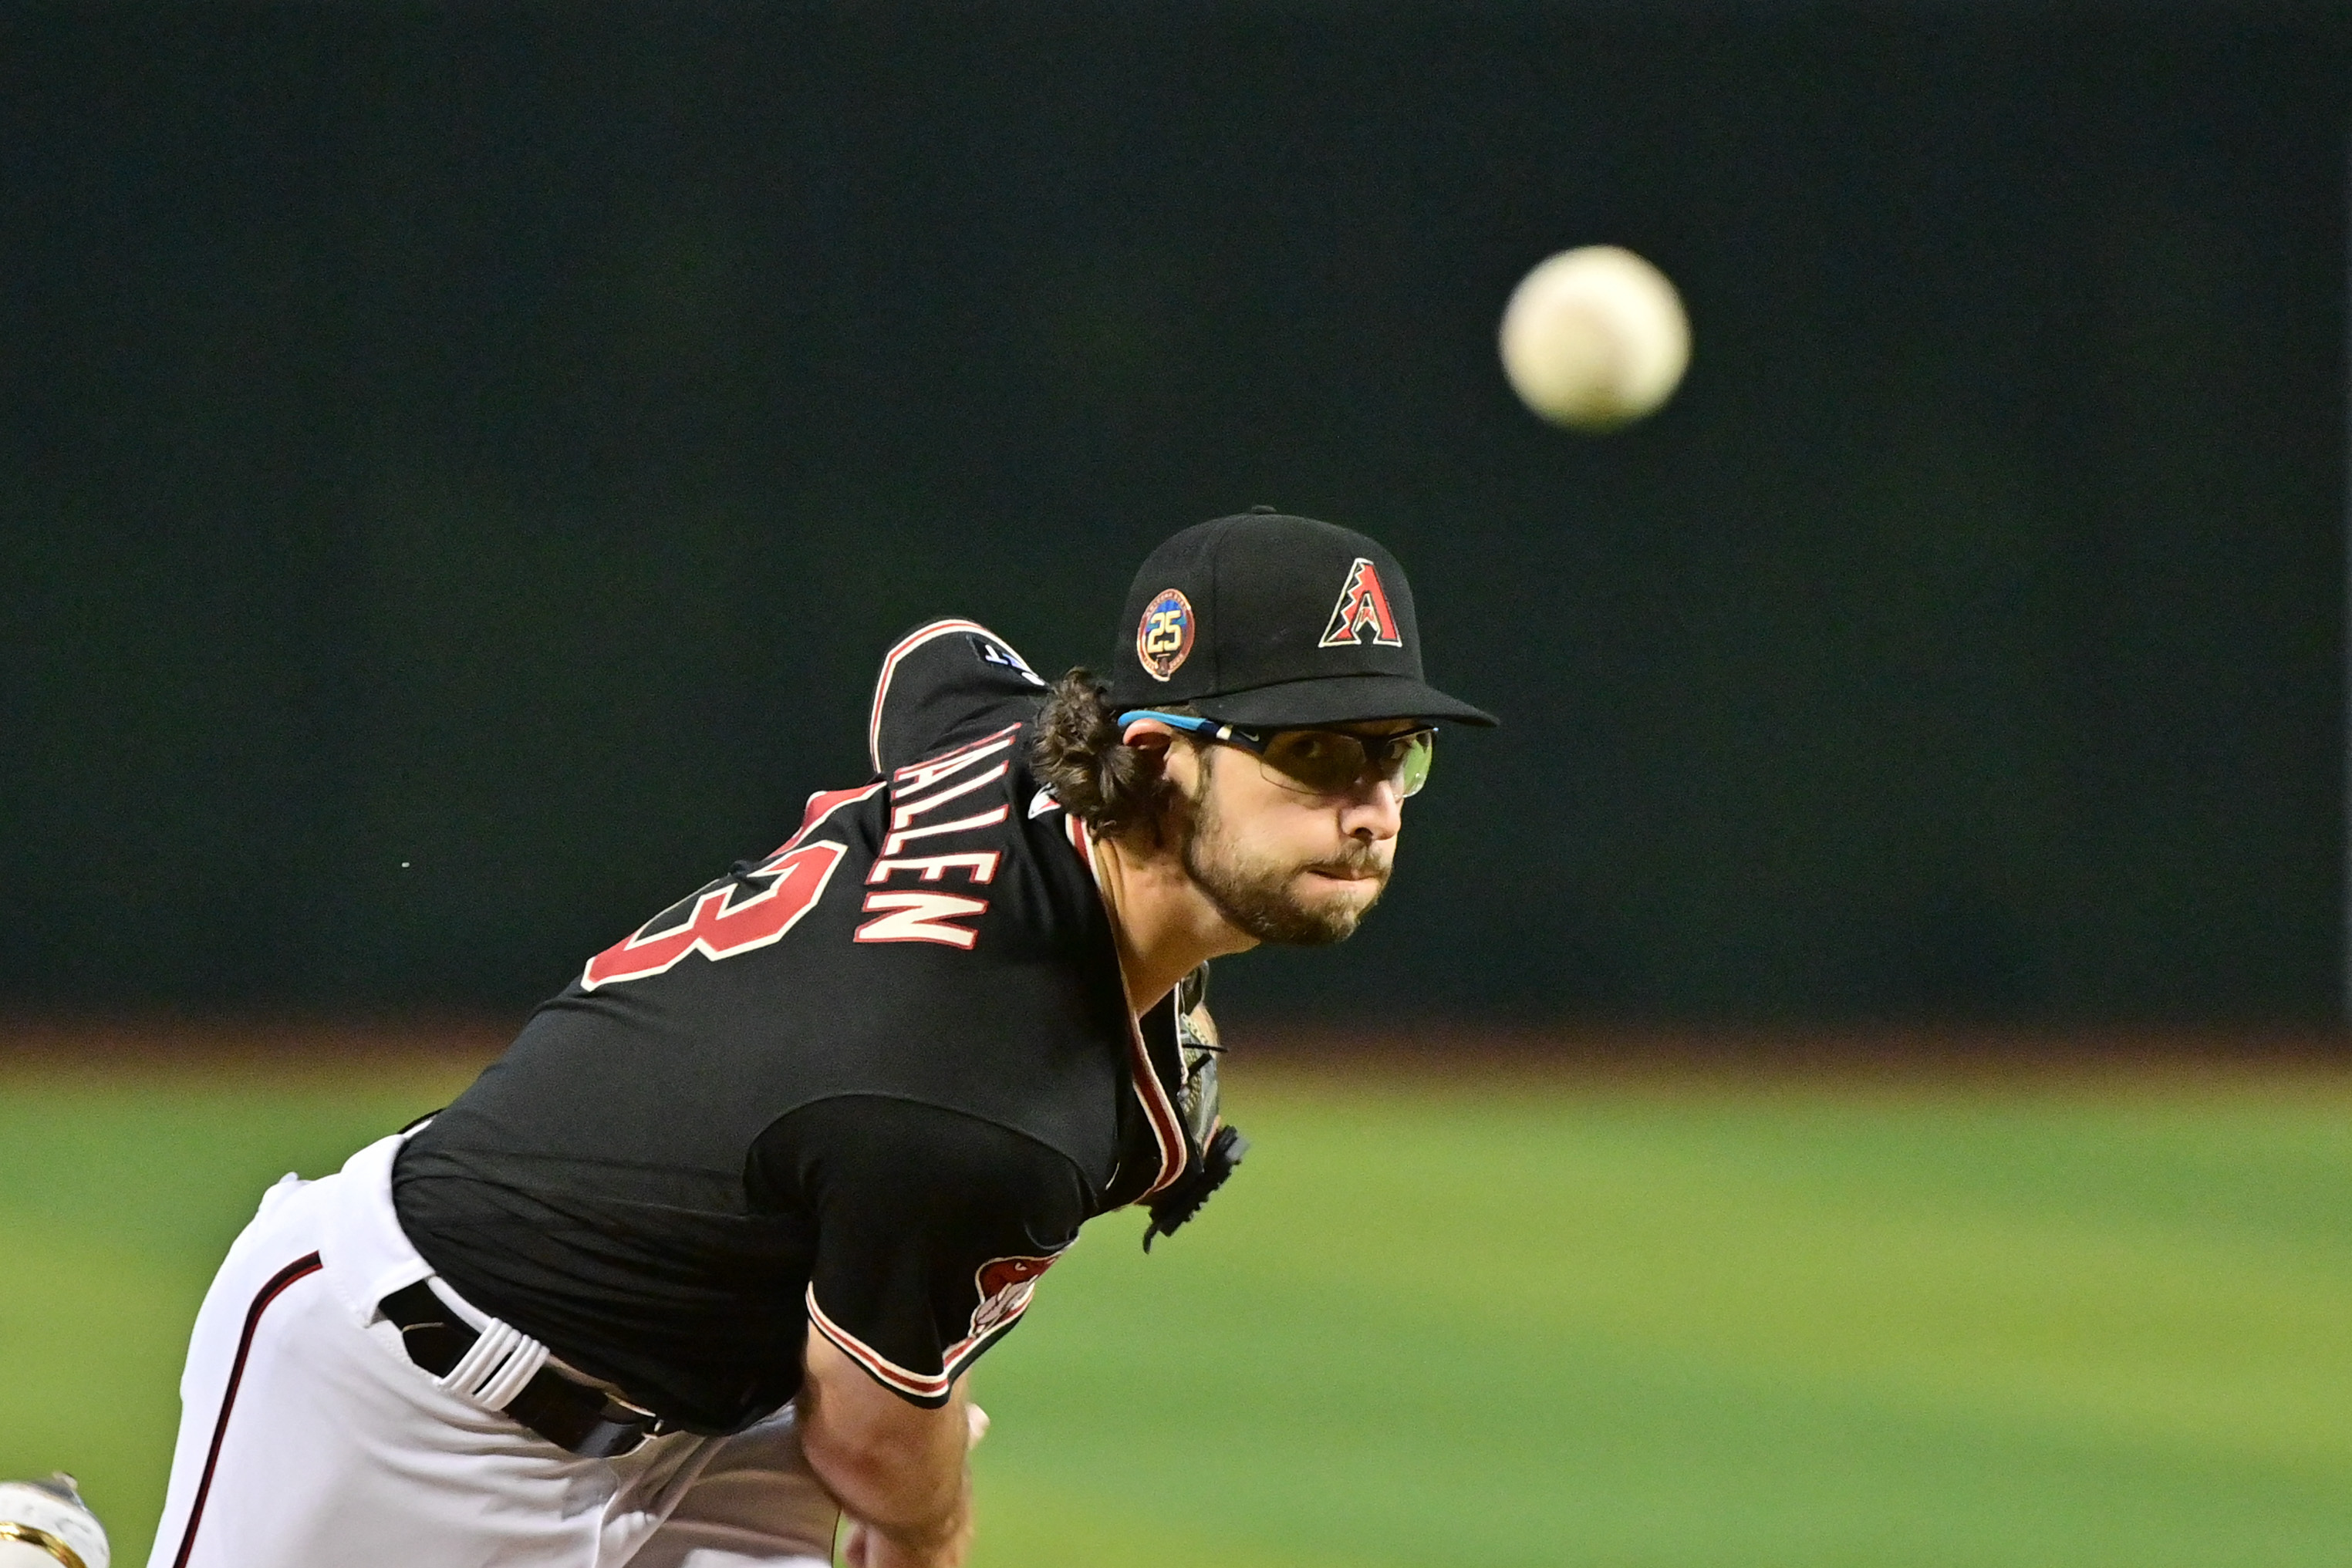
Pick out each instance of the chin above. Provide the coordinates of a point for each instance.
(1316, 930)
(1334, 917)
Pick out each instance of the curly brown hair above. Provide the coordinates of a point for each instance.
(1079, 755)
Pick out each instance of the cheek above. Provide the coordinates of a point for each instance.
(1180, 767)
(1270, 826)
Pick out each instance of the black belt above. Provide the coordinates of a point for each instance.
(569, 1415)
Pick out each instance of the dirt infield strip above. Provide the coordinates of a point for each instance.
(290, 1047)
(282, 1047)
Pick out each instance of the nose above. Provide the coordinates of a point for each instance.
(1373, 814)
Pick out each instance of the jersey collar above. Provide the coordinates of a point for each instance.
(1153, 1072)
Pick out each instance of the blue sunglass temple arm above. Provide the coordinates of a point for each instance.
(1193, 724)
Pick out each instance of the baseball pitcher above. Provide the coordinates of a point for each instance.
(698, 1267)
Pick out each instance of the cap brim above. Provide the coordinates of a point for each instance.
(1339, 699)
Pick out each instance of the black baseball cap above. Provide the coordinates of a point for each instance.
(1272, 621)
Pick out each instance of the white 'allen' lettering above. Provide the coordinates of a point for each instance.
(931, 916)
(918, 775)
(907, 811)
(901, 840)
(921, 918)
(980, 866)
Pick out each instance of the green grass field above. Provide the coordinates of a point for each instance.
(1633, 1325)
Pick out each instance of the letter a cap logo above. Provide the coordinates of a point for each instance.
(1236, 616)
(1362, 607)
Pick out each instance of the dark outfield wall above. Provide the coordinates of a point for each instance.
(457, 476)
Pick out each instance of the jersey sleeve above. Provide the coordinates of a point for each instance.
(943, 681)
(932, 1229)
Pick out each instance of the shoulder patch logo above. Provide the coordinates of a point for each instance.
(1363, 607)
(992, 651)
(1163, 638)
(1005, 1285)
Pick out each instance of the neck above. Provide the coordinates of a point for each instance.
(1166, 927)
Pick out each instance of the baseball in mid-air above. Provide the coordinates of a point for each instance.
(1594, 339)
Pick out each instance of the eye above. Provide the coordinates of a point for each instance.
(1313, 748)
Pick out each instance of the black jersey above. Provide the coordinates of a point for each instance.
(874, 1081)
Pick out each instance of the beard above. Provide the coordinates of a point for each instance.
(1254, 891)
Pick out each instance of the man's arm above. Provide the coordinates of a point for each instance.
(897, 1468)
(932, 1230)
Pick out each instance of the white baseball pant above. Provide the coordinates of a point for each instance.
(309, 1438)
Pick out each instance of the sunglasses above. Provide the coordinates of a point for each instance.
(1320, 761)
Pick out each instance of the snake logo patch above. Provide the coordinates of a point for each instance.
(1163, 638)
(1005, 1286)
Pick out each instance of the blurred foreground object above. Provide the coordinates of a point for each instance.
(1594, 339)
(43, 1524)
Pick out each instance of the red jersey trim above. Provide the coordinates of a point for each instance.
(1167, 1129)
(300, 1268)
(890, 1375)
(822, 805)
(881, 1367)
(914, 640)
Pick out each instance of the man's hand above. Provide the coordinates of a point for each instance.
(896, 1468)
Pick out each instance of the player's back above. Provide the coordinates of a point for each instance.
(928, 944)
(859, 959)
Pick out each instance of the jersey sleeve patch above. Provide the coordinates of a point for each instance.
(1005, 1286)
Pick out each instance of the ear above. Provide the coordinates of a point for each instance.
(1150, 738)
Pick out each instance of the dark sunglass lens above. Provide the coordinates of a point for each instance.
(1320, 759)
(1330, 762)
